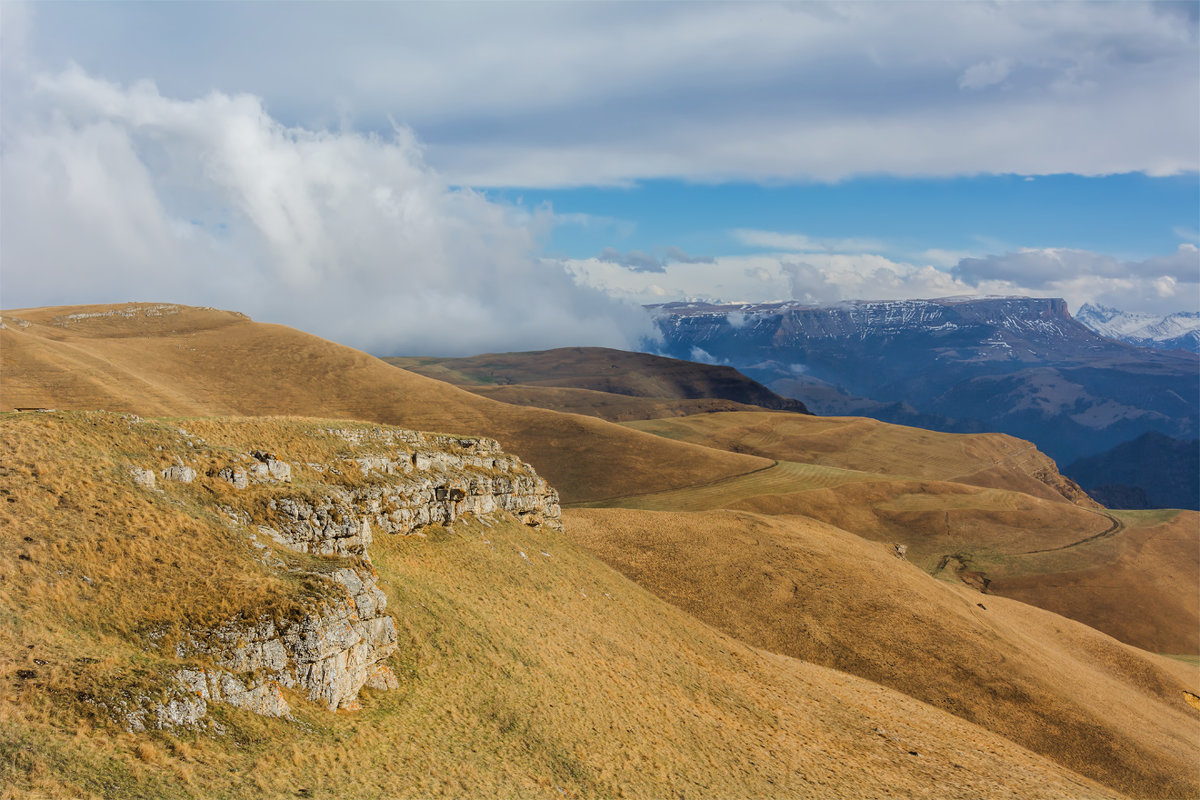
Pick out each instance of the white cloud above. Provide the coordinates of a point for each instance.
(818, 278)
(116, 193)
(704, 357)
(824, 278)
(985, 73)
(801, 243)
(1034, 267)
(579, 93)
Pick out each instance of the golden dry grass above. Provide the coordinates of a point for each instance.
(1144, 576)
(611, 384)
(602, 370)
(544, 676)
(193, 361)
(992, 460)
(812, 591)
(783, 478)
(605, 405)
(1117, 571)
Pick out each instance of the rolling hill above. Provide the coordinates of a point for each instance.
(523, 666)
(514, 677)
(156, 359)
(612, 384)
(867, 445)
(988, 510)
(791, 585)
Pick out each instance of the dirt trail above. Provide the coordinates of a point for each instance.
(1116, 527)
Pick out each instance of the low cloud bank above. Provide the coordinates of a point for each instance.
(1162, 285)
(118, 192)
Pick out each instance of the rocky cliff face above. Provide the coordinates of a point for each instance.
(999, 324)
(390, 481)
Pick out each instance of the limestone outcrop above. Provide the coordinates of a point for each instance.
(392, 481)
(420, 480)
(330, 652)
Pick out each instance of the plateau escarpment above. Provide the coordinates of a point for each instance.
(1016, 365)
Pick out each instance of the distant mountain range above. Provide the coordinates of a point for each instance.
(1016, 365)
(1152, 471)
(1178, 331)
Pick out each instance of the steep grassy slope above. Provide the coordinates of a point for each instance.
(992, 460)
(1138, 580)
(150, 359)
(605, 405)
(1143, 574)
(601, 369)
(527, 668)
(809, 590)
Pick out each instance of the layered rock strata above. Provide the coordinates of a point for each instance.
(330, 652)
(394, 481)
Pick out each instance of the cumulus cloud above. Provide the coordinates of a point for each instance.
(543, 95)
(704, 357)
(817, 278)
(1165, 284)
(1037, 268)
(119, 192)
(810, 284)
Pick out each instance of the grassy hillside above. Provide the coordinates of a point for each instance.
(605, 370)
(809, 590)
(157, 359)
(992, 460)
(1085, 563)
(605, 405)
(527, 667)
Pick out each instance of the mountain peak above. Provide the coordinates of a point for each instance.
(1177, 331)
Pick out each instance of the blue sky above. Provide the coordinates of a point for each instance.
(1130, 216)
(459, 177)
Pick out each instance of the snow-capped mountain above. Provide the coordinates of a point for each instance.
(1178, 331)
(1018, 365)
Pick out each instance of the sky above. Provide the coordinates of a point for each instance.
(452, 178)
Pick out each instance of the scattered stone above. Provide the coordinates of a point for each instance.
(179, 474)
(900, 550)
(218, 686)
(142, 477)
(235, 476)
(270, 468)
